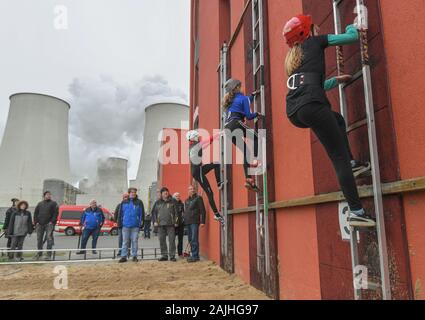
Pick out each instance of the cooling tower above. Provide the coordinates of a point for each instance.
(34, 146)
(157, 117)
(112, 175)
(111, 183)
(83, 185)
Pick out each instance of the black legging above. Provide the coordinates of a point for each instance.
(325, 124)
(199, 174)
(343, 127)
(239, 125)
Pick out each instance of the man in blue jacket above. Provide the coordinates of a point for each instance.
(131, 217)
(91, 221)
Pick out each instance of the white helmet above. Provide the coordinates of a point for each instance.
(192, 135)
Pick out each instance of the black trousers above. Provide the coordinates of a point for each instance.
(45, 231)
(17, 243)
(179, 235)
(328, 127)
(9, 242)
(239, 125)
(199, 173)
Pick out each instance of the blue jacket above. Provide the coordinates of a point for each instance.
(92, 220)
(241, 108)
(132, 214)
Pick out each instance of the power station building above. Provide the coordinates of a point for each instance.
(158, 117)
(34, 147)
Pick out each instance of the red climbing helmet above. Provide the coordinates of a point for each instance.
(297, 30)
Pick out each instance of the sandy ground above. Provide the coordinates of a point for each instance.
(135, 281)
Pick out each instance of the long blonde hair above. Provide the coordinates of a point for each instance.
(293, 59)
(229, 97)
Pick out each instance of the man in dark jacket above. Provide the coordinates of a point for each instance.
(91, 221)
(194, 215)
(20, 225)
(45, 216)
(9, 212)
(131, 217)
(180, 227)
(164, 216)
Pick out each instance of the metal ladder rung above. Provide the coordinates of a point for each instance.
(258, 69)
(358, 228)
(256, 46)
(257, 25)
(356, 76)
(373, 285)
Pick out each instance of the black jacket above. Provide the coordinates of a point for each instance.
(8, 215)
(12, 222)
(180, 212)
(194, 210)
(117, 212)
(46, 212)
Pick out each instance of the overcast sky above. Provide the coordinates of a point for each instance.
(114, 58)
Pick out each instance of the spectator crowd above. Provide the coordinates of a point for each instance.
(170, 217)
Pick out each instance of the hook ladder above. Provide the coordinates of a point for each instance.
(223, 153)
(262, 203)
(365, 73)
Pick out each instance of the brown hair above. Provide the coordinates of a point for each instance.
(293, 59)
(22, 202)
(132, 189)
(229, 97)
